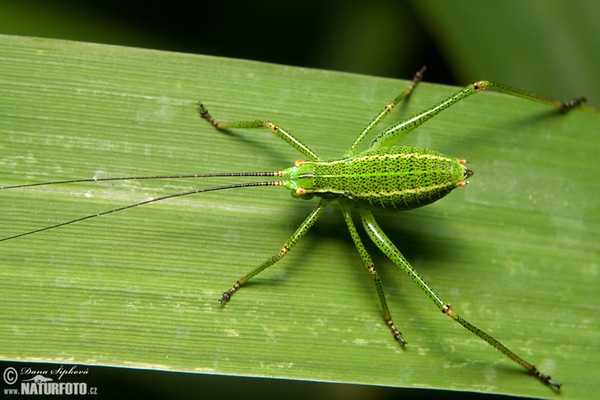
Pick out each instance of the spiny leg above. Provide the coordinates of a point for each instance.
(396, 132)
(386, 111)
(277, 131)
(291, 242)
(391, 251)
(563, 106)
(346, 211)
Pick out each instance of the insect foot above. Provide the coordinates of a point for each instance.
(227, 295)
(397, 334)
(547, 379)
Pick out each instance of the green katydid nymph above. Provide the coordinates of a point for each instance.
(384, 176)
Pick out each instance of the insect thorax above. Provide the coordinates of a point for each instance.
(396, 178)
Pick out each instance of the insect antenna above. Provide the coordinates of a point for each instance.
(154, 200)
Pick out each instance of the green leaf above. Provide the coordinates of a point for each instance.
(515, 252)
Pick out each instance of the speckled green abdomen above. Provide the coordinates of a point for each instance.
(397, 178)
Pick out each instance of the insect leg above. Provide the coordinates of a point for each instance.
(396, 132)
(391, 251)
(277, 131)
(372, 271)
(291, 242)
(386, 111)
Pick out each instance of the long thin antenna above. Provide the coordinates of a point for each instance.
(196, 191)
(130, 178)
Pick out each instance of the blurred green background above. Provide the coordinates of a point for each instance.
(547, 46)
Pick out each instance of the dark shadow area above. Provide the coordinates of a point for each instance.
(123, 383)
(388, 39)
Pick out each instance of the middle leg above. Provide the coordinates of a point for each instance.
(291, 242)
(346, 211)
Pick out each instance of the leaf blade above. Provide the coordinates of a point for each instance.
(143, 286)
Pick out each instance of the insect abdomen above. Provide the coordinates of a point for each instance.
(397, 178)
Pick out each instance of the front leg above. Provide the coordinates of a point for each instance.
(277, 131)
